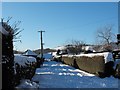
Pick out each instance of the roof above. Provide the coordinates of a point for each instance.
(29, 52)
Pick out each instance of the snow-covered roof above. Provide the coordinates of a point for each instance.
(2, 30)
(29, 52)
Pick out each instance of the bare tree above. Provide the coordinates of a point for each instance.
(75, 46)
(105, 34)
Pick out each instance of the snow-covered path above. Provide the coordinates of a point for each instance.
(57, 75)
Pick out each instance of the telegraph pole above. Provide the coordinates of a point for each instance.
(41, 43)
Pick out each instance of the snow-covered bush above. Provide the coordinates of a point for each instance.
(24, 60)
(24, 67)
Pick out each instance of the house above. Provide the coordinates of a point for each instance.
(30, 53)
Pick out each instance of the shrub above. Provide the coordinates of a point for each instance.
(24, 72)
(7, 58)
(25, 68)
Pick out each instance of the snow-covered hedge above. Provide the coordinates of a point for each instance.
(25, 67)
(23, 60)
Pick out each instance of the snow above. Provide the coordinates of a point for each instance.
(107, 56)
(47, 56)
(2, 30)
(54, 53)
(57, 75)
(86, 48)
(29, 52)
(22, 60)
(27, 84)
(60, 48)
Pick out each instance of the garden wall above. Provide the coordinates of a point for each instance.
(100, 64)
(94, 65)
(68, 60)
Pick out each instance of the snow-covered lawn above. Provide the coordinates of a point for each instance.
(57, 75)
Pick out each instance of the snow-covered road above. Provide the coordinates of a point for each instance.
(57, 75)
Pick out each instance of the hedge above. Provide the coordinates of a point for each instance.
(24, 72)
(7, 58)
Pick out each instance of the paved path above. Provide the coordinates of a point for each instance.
(57, 75)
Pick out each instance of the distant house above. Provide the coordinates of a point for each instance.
(30, 53)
